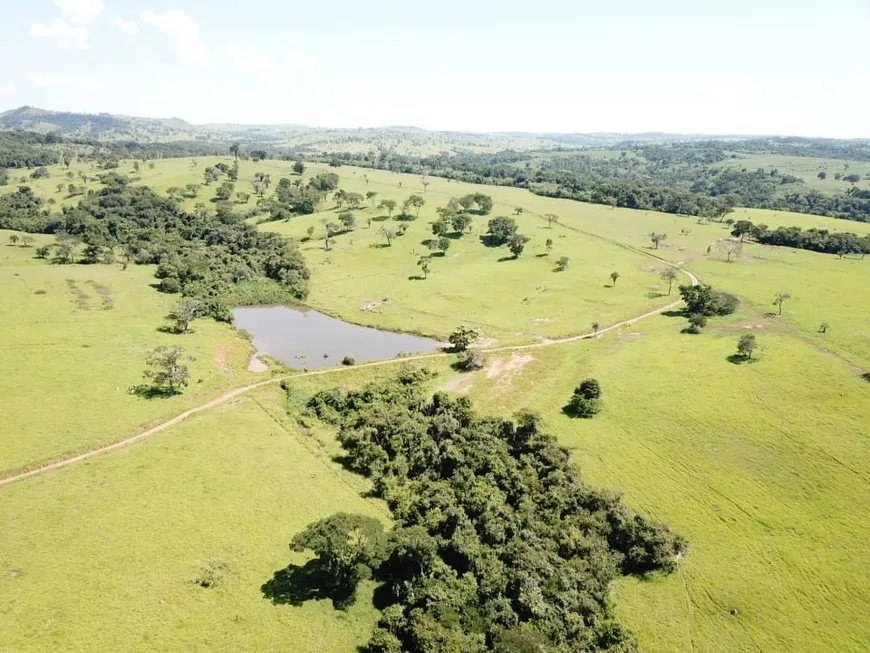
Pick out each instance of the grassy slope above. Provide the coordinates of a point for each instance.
(762, 467)
(104, 556)
(66, 370)
(807, 168)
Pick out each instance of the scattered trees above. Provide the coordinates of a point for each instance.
(166, 370)
(413, 202)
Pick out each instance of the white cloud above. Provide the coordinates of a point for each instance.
(80, 11)
(6, 87)
(127, 26)
(67, 37)
(249, 62)
(49, 79)
(183, 32)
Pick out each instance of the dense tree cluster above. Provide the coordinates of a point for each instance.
(817, 240)
(498, 544)
(200, 255)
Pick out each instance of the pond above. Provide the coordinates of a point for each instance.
(308, 339)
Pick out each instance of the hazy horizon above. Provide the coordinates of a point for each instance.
(777, 68)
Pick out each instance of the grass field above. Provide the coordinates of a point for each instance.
(763, 467)
(807, 168)
(75, 339)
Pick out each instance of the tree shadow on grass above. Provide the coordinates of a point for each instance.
(677, 313)
(380, 218)
(150, 392)
(489, 240)
(294, 585)
(740, 359)
(379, 245)
(655, 295)
(416, 277)
(507, 258)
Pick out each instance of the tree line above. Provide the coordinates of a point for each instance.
(816, 240)
(498, 544)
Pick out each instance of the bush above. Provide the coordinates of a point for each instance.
(471, 360)
(585, 401)
(348, 360)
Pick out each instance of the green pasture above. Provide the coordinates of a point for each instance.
(75, 339)
(763, 467)
(806, 168)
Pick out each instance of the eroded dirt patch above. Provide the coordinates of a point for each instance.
(255, 364)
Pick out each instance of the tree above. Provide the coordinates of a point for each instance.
(697, 321)
(26, 240)
(424, 265)
(614, 276)
(779, 299)
(413, 202)
(13, 240)
(461, 222)
(243, 197)
(310, 232)
(741, 229)
(441, 227)
(370, 196)
(729, 248)
(501, 229)
(462, 337)
(354, 200)
(852, 178)
(347, 547)
(443, 244)
(670, 275)
(562, 264)
(389, 235)
(234, 149)
(822, 175)
(549, 245)
(551, 218)
(65, 251)
(185, 312)
(43, 251)
(68, 158)
(585, 402)
(388, 205)
(225, 191)
(210, 174)
(347, 220)
(517, 244)
(298, 167)
(706, 301)
(425, 181)
(595, 327)
(166, 371)
(746, 345)
(824, 327)
(657, 239)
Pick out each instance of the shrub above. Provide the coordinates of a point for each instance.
(585, 402)
(471, 359)
(348, 360)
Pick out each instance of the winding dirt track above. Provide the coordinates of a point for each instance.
(232, 394)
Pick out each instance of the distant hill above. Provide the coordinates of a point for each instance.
(101, 126)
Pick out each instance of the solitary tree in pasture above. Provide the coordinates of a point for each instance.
(26, 240)
(670, 275)
(501, 229)
(298, 167)
(549, 245)
(370, 196)
(425, 181)
(822, 175)
(166, 369)
(823, 328)
(388, 235)
(746, 345)
(462, 337)
(657, 239)
(552, 218)
(13, 240)
(741, 229)
(234, 149)
(562, 264)
(310, 232)
(779, 299)
(185, 312)
(595, 327)
(518, 210)
(424, 266)
(729, 248)
(614, 276)
(388, 205)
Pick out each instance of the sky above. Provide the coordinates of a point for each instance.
(737, 67)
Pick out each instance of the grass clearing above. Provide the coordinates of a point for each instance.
(77, 343)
